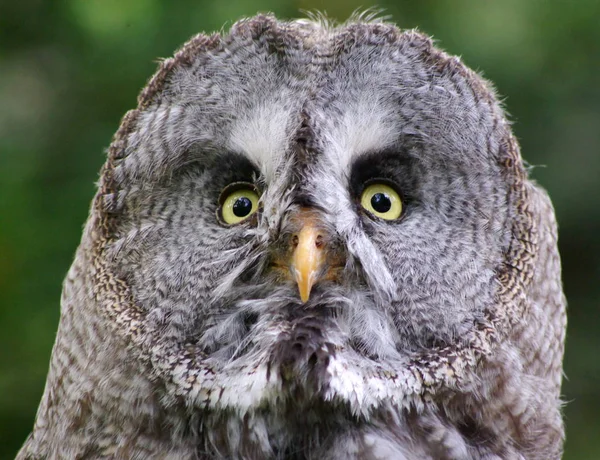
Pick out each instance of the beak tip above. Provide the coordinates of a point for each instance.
(304, 289)
(304, 296)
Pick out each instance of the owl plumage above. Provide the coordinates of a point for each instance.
(242, 291)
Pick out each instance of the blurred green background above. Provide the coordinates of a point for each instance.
(70, 69)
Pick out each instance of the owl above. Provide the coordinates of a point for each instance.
(310, 241)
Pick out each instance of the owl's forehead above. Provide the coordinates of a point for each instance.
(269, 133)
(339, 93)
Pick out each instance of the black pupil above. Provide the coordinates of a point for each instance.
(381, 202)
(242, 206)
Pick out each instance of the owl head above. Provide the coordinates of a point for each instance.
(336, 220)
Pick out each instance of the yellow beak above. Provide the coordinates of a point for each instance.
(307, 258)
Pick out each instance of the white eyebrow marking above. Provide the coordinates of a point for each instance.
(262, 135)
(367, 125)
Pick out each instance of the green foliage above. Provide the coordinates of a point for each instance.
(69, 70)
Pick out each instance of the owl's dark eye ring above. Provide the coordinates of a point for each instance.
(237, 202)
(381, 199)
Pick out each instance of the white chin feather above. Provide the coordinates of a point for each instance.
(346, 380)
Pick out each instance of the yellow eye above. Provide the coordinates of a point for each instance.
(382, 201)
(238, 202)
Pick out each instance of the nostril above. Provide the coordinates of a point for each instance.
(319, 241)
(295, 240)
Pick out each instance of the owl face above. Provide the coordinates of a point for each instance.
(295, 208)
(310, 242)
